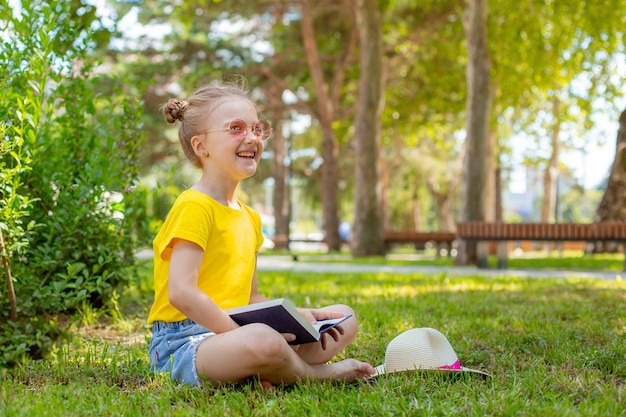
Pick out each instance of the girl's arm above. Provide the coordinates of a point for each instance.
(184, 293)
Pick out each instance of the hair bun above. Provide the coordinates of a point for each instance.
(175, 110)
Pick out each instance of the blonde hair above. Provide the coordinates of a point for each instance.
(192, 113)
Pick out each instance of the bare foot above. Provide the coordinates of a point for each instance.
(350, 370)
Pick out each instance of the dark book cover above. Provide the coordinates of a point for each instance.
(282, 315)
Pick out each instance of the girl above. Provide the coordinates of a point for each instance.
(205, 262)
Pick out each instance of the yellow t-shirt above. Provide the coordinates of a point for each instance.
(230, 239)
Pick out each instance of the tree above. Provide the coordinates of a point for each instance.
(612, 207)
(294, 42)
(547, 87)
(328, 96)
(477, 125)
(308, 52)
(551, 173)
(368, 226)
(425, 104)
(318, 74)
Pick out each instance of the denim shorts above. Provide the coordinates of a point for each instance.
(173, 348)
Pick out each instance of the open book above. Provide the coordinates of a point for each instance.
(281, 315)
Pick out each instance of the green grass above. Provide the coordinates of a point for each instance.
(554, 347)
(599, 262)
(567, 260)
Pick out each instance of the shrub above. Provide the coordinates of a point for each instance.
(70, 135)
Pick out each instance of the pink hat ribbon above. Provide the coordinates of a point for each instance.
(456, 366)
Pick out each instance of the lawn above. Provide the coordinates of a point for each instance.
(565, 260)
(554, 347)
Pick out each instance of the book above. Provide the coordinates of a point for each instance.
(282, 316)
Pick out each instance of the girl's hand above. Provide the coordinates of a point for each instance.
(313, 315)
(335, 332)
(308, 315)
(289, 337)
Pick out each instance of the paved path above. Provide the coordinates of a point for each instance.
(286, 263)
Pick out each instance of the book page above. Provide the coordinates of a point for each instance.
(324, 325)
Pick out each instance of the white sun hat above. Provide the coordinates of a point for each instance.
(421, 349)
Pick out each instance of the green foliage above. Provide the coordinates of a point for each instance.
(539, 49)
(577, 206)
(70, 136)
(31, 337)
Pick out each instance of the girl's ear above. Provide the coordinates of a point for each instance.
(198, 147)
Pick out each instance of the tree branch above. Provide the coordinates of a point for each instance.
(9, 279)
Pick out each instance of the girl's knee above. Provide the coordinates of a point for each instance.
(342, 308)
(266, 345)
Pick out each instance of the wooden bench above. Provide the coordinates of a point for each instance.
(419, 239)
(554, 232)
(390, 238)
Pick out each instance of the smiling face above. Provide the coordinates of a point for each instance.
(230, 158)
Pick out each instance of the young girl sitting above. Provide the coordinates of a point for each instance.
(205, 262)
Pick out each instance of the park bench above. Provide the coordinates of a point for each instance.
(420, 239)
(393, 237)
(552, 232)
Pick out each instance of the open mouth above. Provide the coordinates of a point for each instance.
(246, 154)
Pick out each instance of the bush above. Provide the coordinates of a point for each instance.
(70, 134)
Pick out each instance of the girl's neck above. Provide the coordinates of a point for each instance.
(225, 194)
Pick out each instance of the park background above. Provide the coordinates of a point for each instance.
(581, 157)
(382, 118)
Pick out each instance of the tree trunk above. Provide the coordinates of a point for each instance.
(551, 174)
(490, 178)
(498, 188)
(330, 147)
(612, 207)
(368, 233)
(383, 178)
(417, 212)
(443, 201)
(281, 168)
(477, 125)
(330, 189)
(280, 172)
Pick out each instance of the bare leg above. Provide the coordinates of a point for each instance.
(258, 350)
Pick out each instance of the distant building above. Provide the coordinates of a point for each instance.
(522, 202)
